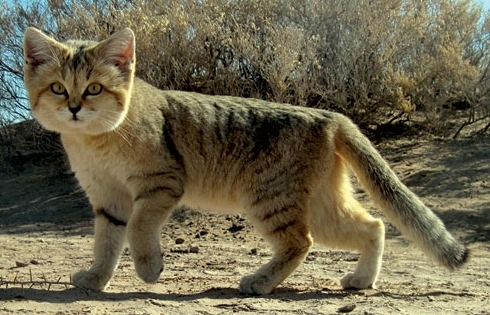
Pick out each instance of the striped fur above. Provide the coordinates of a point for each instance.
(140, 152)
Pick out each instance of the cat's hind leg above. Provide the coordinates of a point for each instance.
(284, 226)
(345, 224)
(365, 234)
(337, 220)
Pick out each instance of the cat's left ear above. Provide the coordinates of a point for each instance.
(119, 49)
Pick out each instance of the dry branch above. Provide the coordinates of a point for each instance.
(43, 283)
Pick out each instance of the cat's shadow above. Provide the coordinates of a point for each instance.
(71, 295)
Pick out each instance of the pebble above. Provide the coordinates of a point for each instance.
(347, 308)
(194, 249)
(20, 264)
(179, 241)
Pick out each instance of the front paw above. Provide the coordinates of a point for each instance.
(353, 281)
(149, 266)
(89, 280)
(256, 284)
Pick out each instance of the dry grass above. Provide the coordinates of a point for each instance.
(44, 283)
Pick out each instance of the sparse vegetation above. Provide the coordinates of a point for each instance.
(379, 62)
(43, 283)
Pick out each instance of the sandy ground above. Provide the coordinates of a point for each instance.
(46, 234)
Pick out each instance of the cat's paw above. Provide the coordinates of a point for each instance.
(256, 284)
(353, 281)
(90, 280)
(149, 267)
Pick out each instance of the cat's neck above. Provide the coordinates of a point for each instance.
(103, 140)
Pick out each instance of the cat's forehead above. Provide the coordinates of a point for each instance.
(80, 45)
(77, 56)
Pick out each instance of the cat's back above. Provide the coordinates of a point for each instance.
(233, 110)
(217, 128)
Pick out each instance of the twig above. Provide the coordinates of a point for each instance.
(31, 283)
(473, 121)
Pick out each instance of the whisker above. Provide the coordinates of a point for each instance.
(125, 130)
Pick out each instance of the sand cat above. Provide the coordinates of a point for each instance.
(139, 152)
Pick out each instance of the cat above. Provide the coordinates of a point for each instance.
(139, 152)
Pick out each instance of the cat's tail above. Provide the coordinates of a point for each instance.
(402, 207)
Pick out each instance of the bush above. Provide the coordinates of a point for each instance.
(374, 61)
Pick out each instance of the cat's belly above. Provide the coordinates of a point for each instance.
(210, 202)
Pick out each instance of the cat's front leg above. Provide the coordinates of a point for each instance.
(112, 205)
(156, 196)
(109, 242)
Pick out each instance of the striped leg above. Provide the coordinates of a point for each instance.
(109, 243)
(156, 196)
(285, 229)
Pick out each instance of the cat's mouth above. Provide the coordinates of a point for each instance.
(76, 119)
(74, 110)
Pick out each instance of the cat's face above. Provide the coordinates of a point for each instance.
(79, 87)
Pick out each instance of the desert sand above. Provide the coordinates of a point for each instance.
(46, 234)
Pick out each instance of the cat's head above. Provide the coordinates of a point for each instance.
(79, 87)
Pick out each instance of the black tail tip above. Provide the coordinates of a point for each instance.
(465, 257)
(461, 259)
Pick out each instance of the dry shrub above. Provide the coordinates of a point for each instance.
(26, 144)
(372, 60)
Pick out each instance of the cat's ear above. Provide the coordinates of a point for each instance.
(119, 49)
(38, 48)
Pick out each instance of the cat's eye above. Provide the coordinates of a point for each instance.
(57, 88)
(94, 89)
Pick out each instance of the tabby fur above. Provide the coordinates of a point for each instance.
(140, 152)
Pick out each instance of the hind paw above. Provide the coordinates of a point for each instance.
(256, 284)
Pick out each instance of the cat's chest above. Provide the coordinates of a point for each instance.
(89, 162)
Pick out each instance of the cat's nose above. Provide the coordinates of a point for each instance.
(74, 108)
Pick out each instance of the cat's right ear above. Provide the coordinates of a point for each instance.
(38, 48)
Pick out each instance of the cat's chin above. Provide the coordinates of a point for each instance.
(82, 125)
(89, 129)
(78, 127)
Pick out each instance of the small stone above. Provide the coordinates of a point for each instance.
(236, 228)
(179, 241)
(254, 251)
(194, 249)
(20, 264)
(34, 262)
(347, 308)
